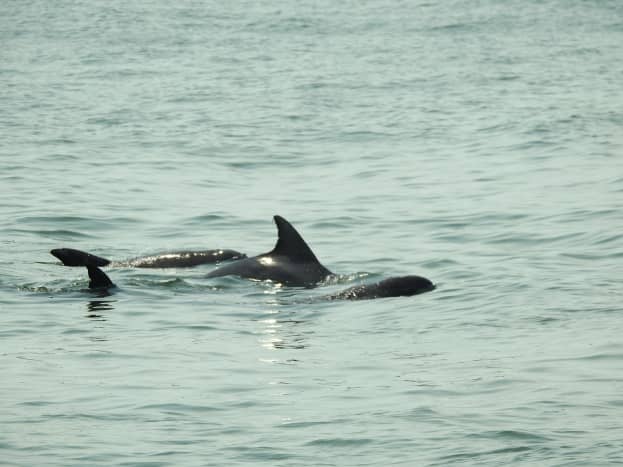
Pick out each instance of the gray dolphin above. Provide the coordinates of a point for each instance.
(177, 259)
(291, 262)
(173, 259)
(183, 259)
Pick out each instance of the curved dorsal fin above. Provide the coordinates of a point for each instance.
(290, 243)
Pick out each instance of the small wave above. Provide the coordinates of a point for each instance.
(180, 408)
(309, 424)
(59, 141)
(454, 27)
(474, 455)
(593, 256)
(340, 442)
(78, 221)
(508, 77)
(440, 263)
(340, 222)
(504, 238)
(88, 416)
(211, 219)
(54, 234)
(510, 435)
(146, 282)
(608, 239)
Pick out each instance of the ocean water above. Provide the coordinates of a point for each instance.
(479, 144)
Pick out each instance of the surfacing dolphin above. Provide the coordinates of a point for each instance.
(178, 259)
(174, 259)
(291, 262)
(184, 259)
(401, 286)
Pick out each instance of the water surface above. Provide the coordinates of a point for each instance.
(475, 144)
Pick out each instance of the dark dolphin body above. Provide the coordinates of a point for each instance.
(403, 286)
(291, 262)
(184, 259)
(174, 259)
(179, 259)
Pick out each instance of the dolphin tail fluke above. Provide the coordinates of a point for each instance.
(71, 257)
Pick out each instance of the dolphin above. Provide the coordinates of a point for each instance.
(184, 259)
(174, 259)
(402, 286)
(392, 287)
(291, 262)
(177, 259)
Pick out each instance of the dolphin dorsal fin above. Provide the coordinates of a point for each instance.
(291, 244)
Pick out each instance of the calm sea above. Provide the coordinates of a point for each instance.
(479, 144)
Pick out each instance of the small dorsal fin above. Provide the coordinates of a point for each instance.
(99, 279)
(290, 243)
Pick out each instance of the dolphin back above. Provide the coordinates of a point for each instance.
(402, 286)
(186, 259)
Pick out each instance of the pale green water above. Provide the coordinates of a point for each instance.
(479, 144)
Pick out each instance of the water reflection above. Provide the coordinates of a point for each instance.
(97, 308)
(283, 333)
